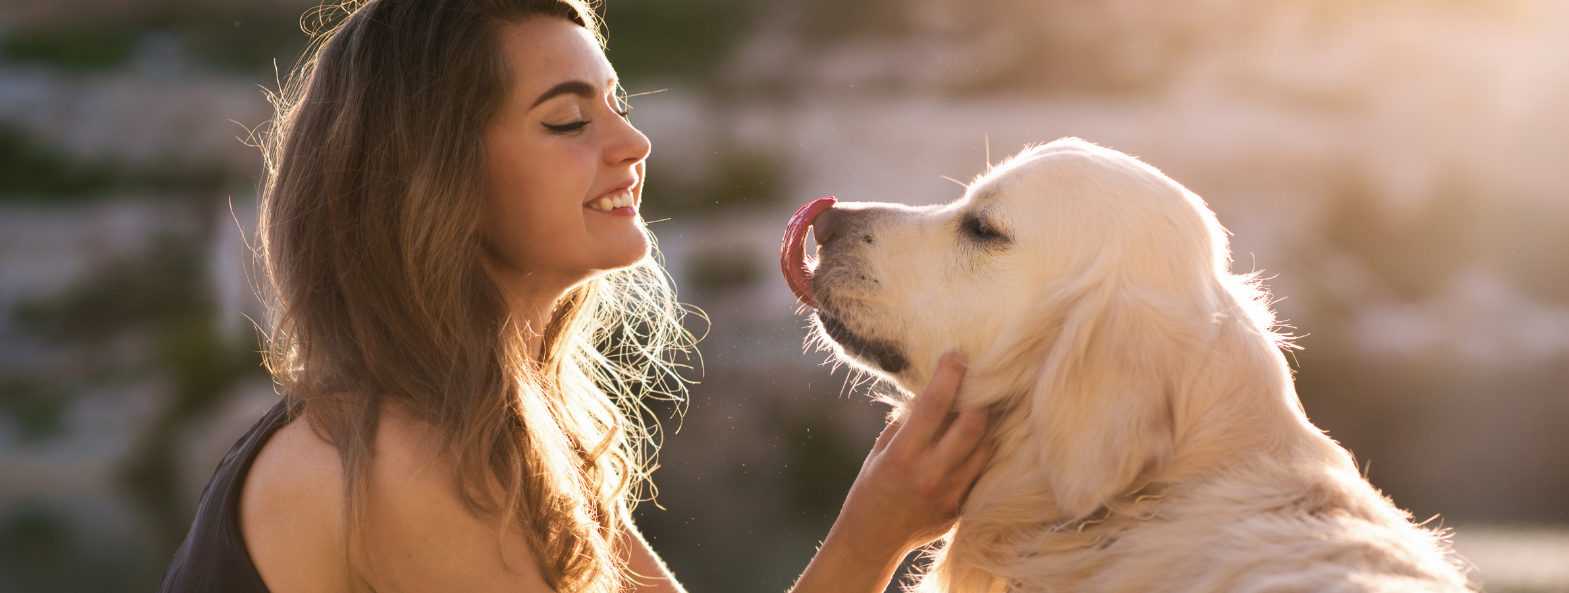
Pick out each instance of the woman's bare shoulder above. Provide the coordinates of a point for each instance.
(418, 533)
(419, 524)
(291, 512)
(298, 473)
(408, 450)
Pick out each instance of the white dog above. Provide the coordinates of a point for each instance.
(1150, 437)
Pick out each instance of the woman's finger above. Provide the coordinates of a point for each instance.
(970, 470)
(961, 439)
(886, 437)
(933, 404)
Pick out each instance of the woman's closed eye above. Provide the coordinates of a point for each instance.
(569, 127)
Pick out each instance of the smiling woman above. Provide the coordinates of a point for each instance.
(464, 316)
(568, 141)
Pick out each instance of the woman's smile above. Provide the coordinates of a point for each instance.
(620, 200)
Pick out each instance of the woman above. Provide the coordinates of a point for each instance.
(450, 227)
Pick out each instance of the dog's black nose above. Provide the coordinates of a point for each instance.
(823, 227)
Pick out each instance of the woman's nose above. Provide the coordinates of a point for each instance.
(630, 146)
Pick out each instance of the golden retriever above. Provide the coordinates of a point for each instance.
(1150, 437)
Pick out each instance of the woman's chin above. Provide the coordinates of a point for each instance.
(628, 251)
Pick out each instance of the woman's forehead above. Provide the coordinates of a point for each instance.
(543, 53)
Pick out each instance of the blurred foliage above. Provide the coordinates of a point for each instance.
(662, 39)
(97, 46)
(831, 20)
(159, 288)
(719, 271)
(746, 178)
(31, 170)
(238, 36)
(40, 554)
(34, 405)
(1416, 251)
(741, 178)
(819, 469)
(160, 294)
(1413, 254)
(29, 167)
(1399, 421)
(747, 514)
(1533, 249)
(202, 366)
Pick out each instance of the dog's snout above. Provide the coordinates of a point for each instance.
(824, 228)
(849, 222)
(837, 223)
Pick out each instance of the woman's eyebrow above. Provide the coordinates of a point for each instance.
(570, 87)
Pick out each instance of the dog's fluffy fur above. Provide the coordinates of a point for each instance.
(1150, 438)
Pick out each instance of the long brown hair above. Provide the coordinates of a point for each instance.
(371, 241)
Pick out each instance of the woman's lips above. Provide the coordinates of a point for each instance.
(797, 267)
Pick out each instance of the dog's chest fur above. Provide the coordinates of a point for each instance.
(1333, 537)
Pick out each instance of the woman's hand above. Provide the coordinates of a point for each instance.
(908, 492)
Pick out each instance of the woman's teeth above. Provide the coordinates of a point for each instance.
(620, 199)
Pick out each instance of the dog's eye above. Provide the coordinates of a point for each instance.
(980, 229)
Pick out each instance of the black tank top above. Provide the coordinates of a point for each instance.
(213, 557)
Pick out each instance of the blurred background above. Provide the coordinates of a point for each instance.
(1397, 169)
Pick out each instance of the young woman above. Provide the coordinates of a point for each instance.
(451, 235)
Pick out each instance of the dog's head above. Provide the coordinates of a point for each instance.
(1079, 282)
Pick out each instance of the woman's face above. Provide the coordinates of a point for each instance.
(565, 168)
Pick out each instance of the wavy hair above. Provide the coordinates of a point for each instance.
(370, 238)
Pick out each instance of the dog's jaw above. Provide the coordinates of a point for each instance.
(885, 355)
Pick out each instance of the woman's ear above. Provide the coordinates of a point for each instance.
(1103, 401)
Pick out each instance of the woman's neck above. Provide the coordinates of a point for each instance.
(531, 300)
(530, 305)
(531, 311)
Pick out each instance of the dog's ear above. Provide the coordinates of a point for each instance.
(1103, 400)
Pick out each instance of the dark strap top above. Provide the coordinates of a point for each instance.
(213, 557)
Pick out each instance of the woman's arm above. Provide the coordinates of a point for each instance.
(907, 494)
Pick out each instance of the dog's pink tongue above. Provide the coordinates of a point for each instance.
(792, 254)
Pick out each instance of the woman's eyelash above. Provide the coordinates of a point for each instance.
(568, 127)
(578, 125)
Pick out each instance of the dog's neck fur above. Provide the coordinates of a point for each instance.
(1240, 429)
